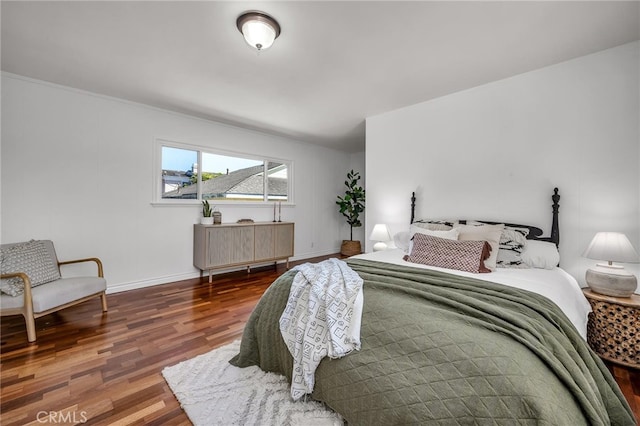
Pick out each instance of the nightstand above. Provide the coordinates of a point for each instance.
(613, 330)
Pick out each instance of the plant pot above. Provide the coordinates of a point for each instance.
(350, 248)
(206, 220)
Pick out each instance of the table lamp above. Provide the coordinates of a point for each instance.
(380, 234)
(607, 278)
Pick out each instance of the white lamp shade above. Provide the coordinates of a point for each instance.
(612, 247)
(258, 34)
(380, 233)
(259, 29)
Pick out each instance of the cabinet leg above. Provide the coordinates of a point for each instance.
(210, 280)
(248, 269)
(287, 263)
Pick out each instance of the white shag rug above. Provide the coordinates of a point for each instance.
(213, 392)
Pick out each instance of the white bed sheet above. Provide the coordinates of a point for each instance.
(554, 284)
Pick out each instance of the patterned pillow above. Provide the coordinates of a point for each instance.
(483, 232)
(512, 243)
(33, 259)
(451, 234)
(466, 256)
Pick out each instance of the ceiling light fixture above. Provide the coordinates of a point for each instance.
(259, 29)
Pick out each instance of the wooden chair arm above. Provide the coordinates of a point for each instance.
(27, 286)
(89, 259)
(22, 275)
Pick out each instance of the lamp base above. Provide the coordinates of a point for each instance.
(379, 246)
(615, 282)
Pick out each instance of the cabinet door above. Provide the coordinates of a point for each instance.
(284, 240)
(242, 246)
(265, 243)
(219, 243)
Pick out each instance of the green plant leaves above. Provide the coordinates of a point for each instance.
(352, 204)
(206, 209)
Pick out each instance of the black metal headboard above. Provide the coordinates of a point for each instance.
(535, 233)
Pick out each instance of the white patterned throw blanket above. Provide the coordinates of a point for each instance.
(322, 318)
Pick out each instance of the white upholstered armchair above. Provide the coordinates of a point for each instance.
(32, 284)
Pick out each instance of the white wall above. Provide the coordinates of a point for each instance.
(357, 163)
(77, 169)
(496, 152)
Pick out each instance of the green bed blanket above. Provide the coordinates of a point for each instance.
(443, 349)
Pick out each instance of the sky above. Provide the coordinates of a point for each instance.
(183, 159)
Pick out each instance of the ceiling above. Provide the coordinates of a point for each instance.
(334, 64)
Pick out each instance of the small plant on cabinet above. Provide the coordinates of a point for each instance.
(207, 213)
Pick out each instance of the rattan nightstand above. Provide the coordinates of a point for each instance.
(613, 330)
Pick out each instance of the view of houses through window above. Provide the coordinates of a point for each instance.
(221, 176)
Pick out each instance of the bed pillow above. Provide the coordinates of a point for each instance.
(434, 225)
(540, 254)
(488, 233)
(451, 234)
(469, 256)
(512, 243)
(33, 259)
(401, 240)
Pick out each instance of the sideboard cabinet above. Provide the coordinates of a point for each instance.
(241, 244)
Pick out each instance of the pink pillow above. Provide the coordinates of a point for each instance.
(466, 256)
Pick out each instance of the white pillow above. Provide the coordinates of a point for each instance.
(451, 234)
(435, 225)
(401, 240)
(489, 233)
(540, 254)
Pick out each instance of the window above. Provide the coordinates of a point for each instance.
(196, 173)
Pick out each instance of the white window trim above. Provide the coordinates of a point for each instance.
(156, 196)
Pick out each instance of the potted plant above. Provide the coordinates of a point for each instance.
(351, 205)
(207, 213)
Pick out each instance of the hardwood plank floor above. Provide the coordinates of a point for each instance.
(106, 369)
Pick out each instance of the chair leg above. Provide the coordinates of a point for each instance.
(31, 327)
(103, 296)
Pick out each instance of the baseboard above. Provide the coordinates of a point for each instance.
(309, 255)
(134, 285)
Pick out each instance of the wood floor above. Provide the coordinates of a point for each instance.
(98, 369)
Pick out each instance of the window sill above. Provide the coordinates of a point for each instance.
(197, 203)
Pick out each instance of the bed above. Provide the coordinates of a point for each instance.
(444, 346)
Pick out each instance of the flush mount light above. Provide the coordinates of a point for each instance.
(259, 29)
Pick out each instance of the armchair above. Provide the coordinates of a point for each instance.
(43, 292)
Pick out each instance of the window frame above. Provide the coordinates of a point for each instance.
(157, 199)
